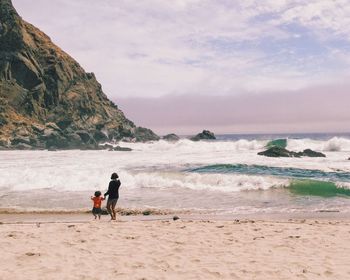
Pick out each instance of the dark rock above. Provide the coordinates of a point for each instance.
(4, 143)
(105, 147)
(3, 120)
(171, 137)
(22, 131)
(128, 140)
(89, 147)
(99, 136)
(121, 149)
(38, 128)
(54, 139)
(86, 137)
(74, 140)
(311, 153)
(144, 134)
(176, 218)
(53, 126)
(204, 135)
(276, 151)
(20, 140)
(22, 146)
(46, 95)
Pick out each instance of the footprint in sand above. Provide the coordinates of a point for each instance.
(31, 254)
(294, 236)
(258, 237)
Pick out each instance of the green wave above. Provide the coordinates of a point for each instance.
(317, 188)
(285, 172)
(281, 143)
(303, 181)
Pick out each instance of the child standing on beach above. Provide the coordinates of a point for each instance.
(97, 199)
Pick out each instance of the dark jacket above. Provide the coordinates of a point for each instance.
(113, 189)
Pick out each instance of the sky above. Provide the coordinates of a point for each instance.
(239, 66)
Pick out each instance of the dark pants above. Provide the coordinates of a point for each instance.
(111, 203)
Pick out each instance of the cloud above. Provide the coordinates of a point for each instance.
(317, 109)
(155, 48)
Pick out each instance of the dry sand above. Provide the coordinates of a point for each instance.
(182, 249)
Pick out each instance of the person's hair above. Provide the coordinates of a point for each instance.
(97, 193)
(114, 176)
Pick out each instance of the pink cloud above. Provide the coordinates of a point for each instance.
(323, 109)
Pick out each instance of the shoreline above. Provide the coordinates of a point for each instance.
(61, 217)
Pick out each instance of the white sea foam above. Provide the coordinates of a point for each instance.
(195, 181)
(336, 144)
(160, 164)
(186, 145)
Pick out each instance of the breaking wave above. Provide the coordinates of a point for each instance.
(336, 144)
(318, 188)
(288, 172)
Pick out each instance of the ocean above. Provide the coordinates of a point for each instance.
(224, 176)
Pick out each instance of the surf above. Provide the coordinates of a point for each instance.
(287, 172)
(317, 188)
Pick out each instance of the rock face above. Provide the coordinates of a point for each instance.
(171, 137)
(204, 135)
(46, 97)
(311, 153)
(121, 149)
(277, 152)
(282, 152)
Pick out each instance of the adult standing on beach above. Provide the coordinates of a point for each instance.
(113, 195)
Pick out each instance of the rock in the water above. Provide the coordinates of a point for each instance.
(142, 134)
(276, 151)
(121, 149)
(105, 147)
(48, 98)
(204, 135)
(171, 137)
(311, 153)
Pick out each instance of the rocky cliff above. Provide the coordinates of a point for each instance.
(47, 99)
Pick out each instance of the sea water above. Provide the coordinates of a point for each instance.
(222, 176)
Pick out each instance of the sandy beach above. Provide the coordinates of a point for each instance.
(74, 247)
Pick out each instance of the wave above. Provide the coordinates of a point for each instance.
(185, 145)
(336, 144)
(318, 183)
(317, 188)
(288, 172)
(159, 164)
(281, 143)
(210, 182)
